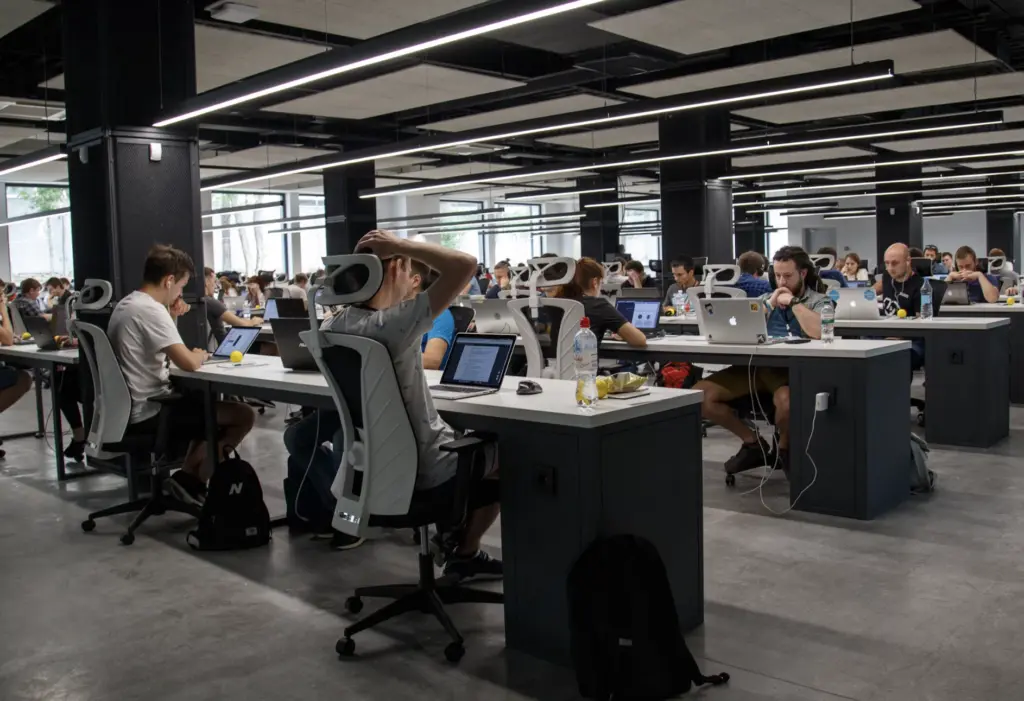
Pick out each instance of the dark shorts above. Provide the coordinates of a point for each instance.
(483, 490)
(188, 421)
(736, 383)
(8, 377)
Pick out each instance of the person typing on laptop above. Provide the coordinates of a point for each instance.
(144, 336)
(794, 308)
(585, 287)
(398, 319)
(14, 383)
(217, 313)
(981, 287)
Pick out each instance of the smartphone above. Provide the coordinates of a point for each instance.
(797, 340)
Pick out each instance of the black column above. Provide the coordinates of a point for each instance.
(749, 234)
(999, 224)
(131, 185)
(897, 220)
(348, 217)
(696, 207)
(599, 229)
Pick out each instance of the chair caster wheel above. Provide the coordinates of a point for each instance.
(730, 480)
(454, 652)
(353, 604)
(346, 647)
(127, 539)
(88, 526)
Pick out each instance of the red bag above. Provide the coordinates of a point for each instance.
(677, 375)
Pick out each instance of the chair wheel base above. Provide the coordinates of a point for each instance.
(454, 652)
(345, 647)
(127, 539)
(88, 526)
(353, 604)
(730, 480)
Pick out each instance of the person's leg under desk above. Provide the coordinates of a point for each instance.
(234, 421)
(70, 395)
(781, 399)
(16, 384)
(715, 407)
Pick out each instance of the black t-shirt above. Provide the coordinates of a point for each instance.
(901, 295)
(214, 311)
(603, 316)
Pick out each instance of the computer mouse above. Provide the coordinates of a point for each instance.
(529, 387)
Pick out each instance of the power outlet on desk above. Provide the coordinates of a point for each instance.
(956, 358)
(544, 479)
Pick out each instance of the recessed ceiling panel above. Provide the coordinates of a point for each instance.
(609, 138)
(695, 26)
(417, 86)
(262, 157)
(457, 170)
(11, 134)
(921, 52)
(14, 13)
(958, 141)
(820, 154)
(1006, 163)
(534, 110)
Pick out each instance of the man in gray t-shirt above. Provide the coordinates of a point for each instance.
(398, 319)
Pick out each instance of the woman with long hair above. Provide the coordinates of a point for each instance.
(852, 270)
(585, 287)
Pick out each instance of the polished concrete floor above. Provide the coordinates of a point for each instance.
(924, 603)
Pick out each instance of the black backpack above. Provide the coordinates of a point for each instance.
(625, 638)
(234, 516)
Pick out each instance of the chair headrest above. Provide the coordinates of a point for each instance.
(553, 271)
(723, 274)
(350, 279)
(823, 260)
(613, 268)
(996, 263)
(94, 295)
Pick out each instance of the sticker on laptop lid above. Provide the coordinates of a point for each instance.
(755, 307)
(869, 294)
(833, 295)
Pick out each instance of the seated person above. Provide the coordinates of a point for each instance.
(751, 269)
(227, 288)
(852, 270)
(947, 261)
(832, 273)
(57, 292)
(298, 288)
(472, 287)
(217, 314)
(793, 308)
(28, 301)
(502, 280)
(900, 288)
(255, 292)
(981, 287)
(14, 383)
(144, 336)
(684, 273)
(585, 287)
(637, 277)
(438, 341)
(931, 252)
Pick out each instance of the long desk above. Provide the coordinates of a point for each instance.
(1015, 314)
(960, 354)
(29, 356)
(859, 443)
(566, 478)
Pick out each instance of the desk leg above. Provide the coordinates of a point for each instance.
(58, 424)
(40, 416)
(209, 408)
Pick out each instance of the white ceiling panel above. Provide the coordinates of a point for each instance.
(14, 13)
(820, 154)
(1012, 114)
(402, 90)
(1005, 163)
(921, 52)
(262, 156)
(609, 138)
(10, 135)
(534, 110)
(359, 19)
(958, 141)
(911, 96)
(457, 170)
(695, 26)
(400, 162)
(52, 172)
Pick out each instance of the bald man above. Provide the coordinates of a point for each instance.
(899, 289)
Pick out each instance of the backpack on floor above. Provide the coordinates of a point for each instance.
(678, 375)
(625, 638)
(234, 516)
(922, 480)
(310, 508)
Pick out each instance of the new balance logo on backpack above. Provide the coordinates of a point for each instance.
(234, 515)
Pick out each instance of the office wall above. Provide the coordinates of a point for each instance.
(964, 229)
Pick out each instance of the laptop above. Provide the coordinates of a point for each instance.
(293, 352)
(476, 365)
(493, 316)
(857, 305)
(956, 293)
(640, 293)
(739, 321)
(643, 314)
(42, 332)
(239, 338)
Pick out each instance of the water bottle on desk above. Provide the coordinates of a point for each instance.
(678, 300)
(927, 310)
(584, 349)
(828, 323)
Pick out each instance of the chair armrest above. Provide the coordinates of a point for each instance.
(166, 398)
(461, 445)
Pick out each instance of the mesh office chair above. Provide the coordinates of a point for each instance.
(563, 315)
(463, 318)
(107, 439)
(375, 484)
(16, 321)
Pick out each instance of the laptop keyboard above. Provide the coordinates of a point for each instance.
(455, 388)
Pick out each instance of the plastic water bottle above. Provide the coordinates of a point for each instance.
(926, 300)
(678, 301)
(584, 349)
(828, 323)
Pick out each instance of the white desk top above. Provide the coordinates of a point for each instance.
(677, 320)
(840, 348)
(61, 357)
(986, 308)
(556, 405)
(945, 323)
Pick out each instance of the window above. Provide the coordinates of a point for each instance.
(240, 242)
(516, 247)
(780, 237)
(467, 241)
(39, 248)
(642, 247)
(312, 243)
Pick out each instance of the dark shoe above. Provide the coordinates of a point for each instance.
(749, 456)
(480, 566)
(75, 451)
(344, 541)
(186, 488)
(443, 544)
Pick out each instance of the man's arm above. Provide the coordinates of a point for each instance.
(232, 319)
(990, 291)
(185, 359)
(6, 330)
(810, 320)
(433, 354)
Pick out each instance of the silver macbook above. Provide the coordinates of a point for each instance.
(856, 304)
(493, 316)
(239, 338)
(739, 321)
(476, 365)
(956, 293)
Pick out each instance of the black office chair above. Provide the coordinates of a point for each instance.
(463, 318)
(378, 471)
(485, 283)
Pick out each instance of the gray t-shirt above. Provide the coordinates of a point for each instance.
(400, 329)
(140, 329)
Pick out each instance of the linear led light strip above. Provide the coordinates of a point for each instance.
(930, 200)
(32, 164)
(792, 212)
(831, 217)
(563, 127)
(519, 197)
(876, 193)
(625, 203)
(445, 215)
(719, 152)
(495, 224)
(382, 58)
(241, 209)
(245, 225)
(997, 207)
(862, 166)
(872, 183)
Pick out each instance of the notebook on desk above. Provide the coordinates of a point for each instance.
(476, 365)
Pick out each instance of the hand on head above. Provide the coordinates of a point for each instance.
(382, 244)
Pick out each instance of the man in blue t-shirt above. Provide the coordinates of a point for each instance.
(436, 343)
(752, 267)
(981, 287)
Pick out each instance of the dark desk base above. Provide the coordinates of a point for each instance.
(36, 364)
(562, 487)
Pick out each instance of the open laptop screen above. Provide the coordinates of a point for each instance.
(643, 315)
(478, 360)
(239, 338)
(270, 311)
